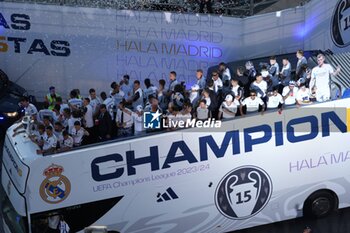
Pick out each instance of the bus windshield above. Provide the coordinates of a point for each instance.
(14, 221)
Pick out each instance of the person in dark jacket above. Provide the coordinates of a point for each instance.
(104, 124)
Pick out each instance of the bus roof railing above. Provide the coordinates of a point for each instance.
(169, 130)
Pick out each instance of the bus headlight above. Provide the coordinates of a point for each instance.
(11, 114)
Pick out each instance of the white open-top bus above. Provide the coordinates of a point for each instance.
(254, 170)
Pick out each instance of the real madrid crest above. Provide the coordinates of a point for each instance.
(56, 187)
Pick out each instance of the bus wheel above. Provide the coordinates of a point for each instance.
(320, 204)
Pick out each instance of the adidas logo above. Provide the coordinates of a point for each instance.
(168, 195)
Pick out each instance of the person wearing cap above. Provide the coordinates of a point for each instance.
(320, 79)
(194, 95)
(50, 98)
(228, 108)
(201, 82)
(289, 93)
(138, 121)
(303, 95)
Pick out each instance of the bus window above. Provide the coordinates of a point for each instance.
(77, 217)
(15, 222)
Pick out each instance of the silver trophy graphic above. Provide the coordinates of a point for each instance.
(243, 197)
(344, 19)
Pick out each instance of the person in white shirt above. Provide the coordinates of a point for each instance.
(289, 93)
(29, 109)
(173, 117)
(138, 121)
(206, 97)
(236, 90)
(303, 95)
(64, 117)
(71, 122)
(149, 90)
(186, 112)
(95, 102)
(126, 87)
(116, 94)
(162, 95)
(62, 105)
(137, 98)
(217, 82)
(124, 120)
(88, 121)
(47, 113)
(320, 79)
(228, 108)
(274, 99)
(259, 86)
(202, 111)
(78, 134)
(57, 130)
(66, 142)
(285, 73)
(253, 103)
(173, 82)
(224, 72)
(75, 103)
(38, 135)
(88, 115)
(194, 95)
(47, 121)
(50, 142)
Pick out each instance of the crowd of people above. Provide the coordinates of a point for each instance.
(64, 124)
